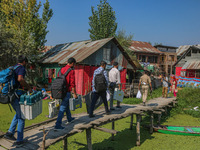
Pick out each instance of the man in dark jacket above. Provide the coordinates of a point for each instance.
(20, 73)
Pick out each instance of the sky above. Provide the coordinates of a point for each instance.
(170, 22)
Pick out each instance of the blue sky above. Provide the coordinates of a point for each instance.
(170, 22)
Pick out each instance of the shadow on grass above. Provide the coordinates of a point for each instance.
(124, 140)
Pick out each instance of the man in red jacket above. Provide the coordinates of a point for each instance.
(64, 107)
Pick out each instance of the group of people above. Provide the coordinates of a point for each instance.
(169, 85)
(111, 82)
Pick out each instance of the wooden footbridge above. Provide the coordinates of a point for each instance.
(42, 135)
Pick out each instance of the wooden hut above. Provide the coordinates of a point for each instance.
(88, 55)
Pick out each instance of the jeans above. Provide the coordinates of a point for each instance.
(17, 120)
(64, 107)
(95, 97)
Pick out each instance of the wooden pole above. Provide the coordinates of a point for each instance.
(159, 118)
(65, 143)
(131, 125)
(138, 130)
(113, 128)
(151, 122)
(89, 139)
(165, 110)
(44, 138)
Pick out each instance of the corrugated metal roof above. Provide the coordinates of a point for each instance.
(192, 64)
(80, 51)
(181, 49)
(138, 46)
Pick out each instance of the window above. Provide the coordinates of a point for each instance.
(143, 58)
(183, 73)
(171, 58)
(156, 59)
(106, 54)
(151, 59)
(194, 51)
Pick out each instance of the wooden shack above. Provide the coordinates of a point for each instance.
(88, 55)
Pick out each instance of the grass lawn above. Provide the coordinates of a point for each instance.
(125, 139)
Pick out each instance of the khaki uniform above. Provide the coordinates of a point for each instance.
(145, 81)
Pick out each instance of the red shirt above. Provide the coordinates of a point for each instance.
(70, 78)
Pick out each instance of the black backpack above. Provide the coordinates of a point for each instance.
(58, 87)
(100, 82)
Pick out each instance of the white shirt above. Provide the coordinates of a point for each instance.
(114, 76)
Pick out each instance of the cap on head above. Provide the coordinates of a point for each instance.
(22, 58)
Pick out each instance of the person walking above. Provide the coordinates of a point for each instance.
(144, 82)
(165, 84)
(99, 86)
(114, 79)
(174, 86)
(20, 84)
(70, 84)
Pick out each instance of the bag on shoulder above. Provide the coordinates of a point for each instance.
(7, 85)
(58, 86)
(100, 82)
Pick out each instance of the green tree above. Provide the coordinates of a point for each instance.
(102, 22)
(21, 18)
(27, 30)
(125, 41)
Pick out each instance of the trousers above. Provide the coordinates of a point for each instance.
(144, 92)
(95, 97)
(164, 91)
(64, 107)
(17, 120)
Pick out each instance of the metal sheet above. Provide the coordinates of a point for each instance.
(143, 47)
(192, 64)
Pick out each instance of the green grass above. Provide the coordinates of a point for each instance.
(126, 139)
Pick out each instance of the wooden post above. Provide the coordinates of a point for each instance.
(131, 125)
(151, 122)
(138, 129)
(65, 143)
(44, 138)
(89, 139)
(113, 128)
(165, 110)
(159, 118)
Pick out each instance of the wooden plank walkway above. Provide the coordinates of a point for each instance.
(83, 122)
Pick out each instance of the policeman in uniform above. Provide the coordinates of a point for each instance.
(144, 82)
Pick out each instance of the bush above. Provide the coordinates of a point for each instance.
(188, 98)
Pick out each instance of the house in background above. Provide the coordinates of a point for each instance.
(148, 56)
(88, 55)
(188, 64)
(168, 58)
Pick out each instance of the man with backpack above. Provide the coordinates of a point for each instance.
(19, 74)
(70, 87)
(99, 86)
(114, 78)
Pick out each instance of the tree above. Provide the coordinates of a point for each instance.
(21, 19)
(102, 22)
(26, 29)
(125, 41)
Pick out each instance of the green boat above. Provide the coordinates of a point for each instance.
(179, 130)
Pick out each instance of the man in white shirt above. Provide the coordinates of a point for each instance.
(114, 79)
